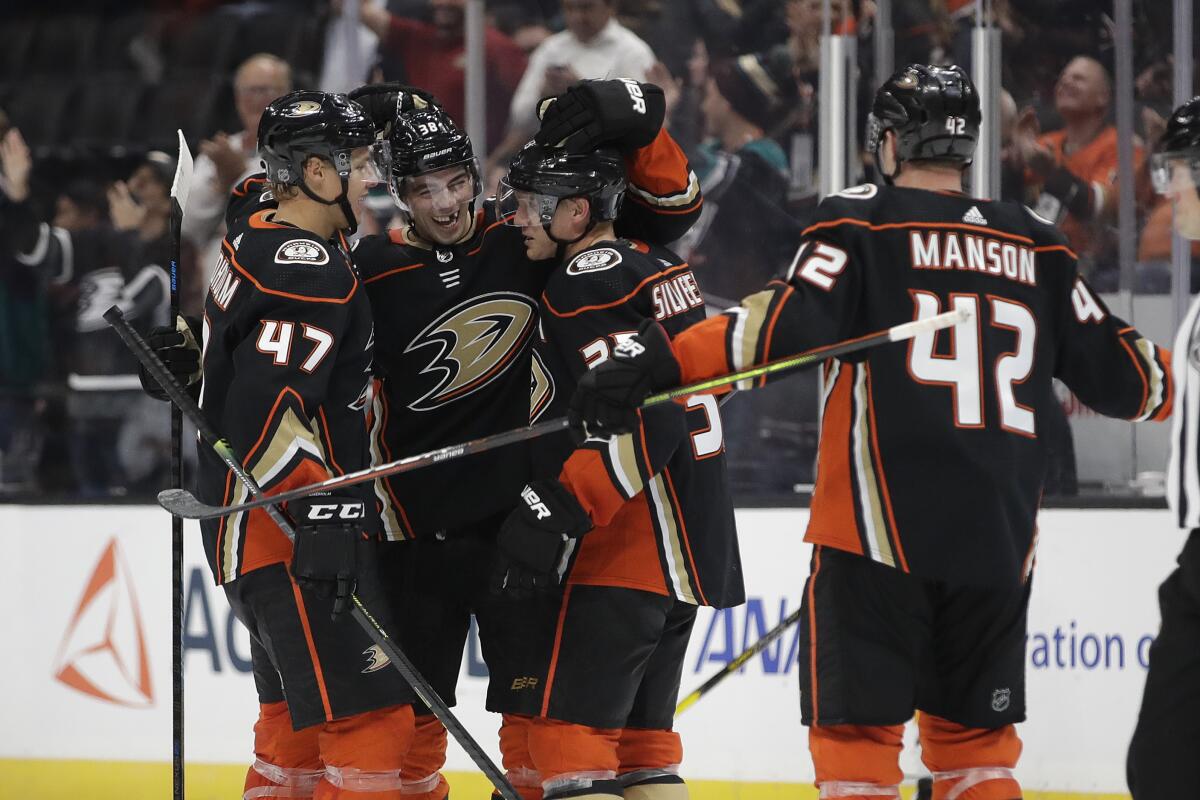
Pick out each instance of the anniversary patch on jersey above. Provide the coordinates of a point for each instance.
(473, 343)
(593, 261)
(301, 251)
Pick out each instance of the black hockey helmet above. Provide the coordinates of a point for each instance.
(550, 174)
(1180, 142)
(307, 123)
(934, 112)
(426, 140)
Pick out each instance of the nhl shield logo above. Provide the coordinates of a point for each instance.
(1000, 700)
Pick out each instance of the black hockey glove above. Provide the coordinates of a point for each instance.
(608, 396)
(621, 113)
(533, 539)
(179, 349)
(324, 558)
(384, 101)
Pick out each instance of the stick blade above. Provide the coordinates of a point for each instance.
(182, 184)
(183, 503)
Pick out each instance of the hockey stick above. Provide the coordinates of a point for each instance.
(180, 188)
(737, 663)
(358, 611)
(185, 504)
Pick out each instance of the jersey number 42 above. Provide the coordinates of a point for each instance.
(963, 371)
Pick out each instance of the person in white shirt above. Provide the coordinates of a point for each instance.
(226, 158)
(1161, 762)
(594, 45)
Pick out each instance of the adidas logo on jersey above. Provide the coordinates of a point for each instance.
(974, 217)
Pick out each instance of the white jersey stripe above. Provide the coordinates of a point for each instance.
(1183, 471)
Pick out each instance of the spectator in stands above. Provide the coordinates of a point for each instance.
(432, 55)
(117, 439)
(594, 45)
(24, 335)
(744, 175)
(81, 205)
(745, 236)
(227, 157)
(518, 21)
(1071, 173)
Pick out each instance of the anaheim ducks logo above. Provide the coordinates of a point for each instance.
(475, 342)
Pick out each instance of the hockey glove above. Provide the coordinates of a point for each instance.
(621, 113)
(324, 557)
(608, 396)
(533, 539)
(177, 347)
(383, 102)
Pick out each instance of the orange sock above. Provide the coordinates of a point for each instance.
(970, 763)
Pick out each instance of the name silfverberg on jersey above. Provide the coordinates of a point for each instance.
(223, 283)
(675, 296)
(950, 250)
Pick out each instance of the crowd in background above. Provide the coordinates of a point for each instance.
(82, 228)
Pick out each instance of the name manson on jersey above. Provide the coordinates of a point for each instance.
(949, 250)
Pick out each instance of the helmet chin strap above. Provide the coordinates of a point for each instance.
(561, 251)
(342, 201)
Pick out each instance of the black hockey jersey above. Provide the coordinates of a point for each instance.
(455, 326)
(659, 497)
(287, 362)
(931, 458)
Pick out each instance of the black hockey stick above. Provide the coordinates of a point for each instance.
(185, 504)
(358, 611)
(737, 663)
(179, 197)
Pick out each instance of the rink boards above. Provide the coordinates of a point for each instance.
(86, 675)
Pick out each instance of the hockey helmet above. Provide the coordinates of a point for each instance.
(1180, 145)
(426, 140)
(934, 112)
(539, 176)
(308, 123)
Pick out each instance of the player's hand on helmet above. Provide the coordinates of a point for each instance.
(331, 542)
(384, 101)
(608, 396)
(620, 113)
(532, 542)
(179, 349)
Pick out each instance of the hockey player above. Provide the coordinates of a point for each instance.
(1162, 761)
(287, 361)
(930, 464)
(638, 529)
(456, 301)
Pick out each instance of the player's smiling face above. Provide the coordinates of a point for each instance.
(441, 204)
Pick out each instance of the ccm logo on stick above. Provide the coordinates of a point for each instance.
(320, 511)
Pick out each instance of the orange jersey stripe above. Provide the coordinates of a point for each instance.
(307, 298)
(833, 223)
(882, 473)
(832, 520)
(812, 631)
(312, 650)
(558, 633)
(636, 289)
